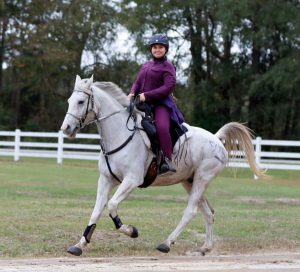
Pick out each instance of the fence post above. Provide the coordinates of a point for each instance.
(17, 144)
(60, 147)
(257, 152)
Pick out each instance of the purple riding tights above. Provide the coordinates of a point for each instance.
(162, 123)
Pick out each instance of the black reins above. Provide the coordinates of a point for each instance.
(82, 124)
(105, 153)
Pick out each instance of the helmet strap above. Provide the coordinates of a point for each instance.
(159, 59)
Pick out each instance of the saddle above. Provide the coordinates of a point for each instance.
(148, 125)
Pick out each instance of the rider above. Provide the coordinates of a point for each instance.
(154, 84)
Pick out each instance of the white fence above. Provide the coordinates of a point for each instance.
(14, 143)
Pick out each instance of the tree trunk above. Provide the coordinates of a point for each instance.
(196, 45)
(4, 24)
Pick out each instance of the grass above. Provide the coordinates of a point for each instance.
(45, 207)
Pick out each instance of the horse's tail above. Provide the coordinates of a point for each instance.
(238, 138)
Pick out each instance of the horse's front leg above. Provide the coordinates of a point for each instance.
(105, 185)
(122, 193)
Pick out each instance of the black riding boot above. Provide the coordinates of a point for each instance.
(166, 166)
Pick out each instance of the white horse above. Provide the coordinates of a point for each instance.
(126, 157)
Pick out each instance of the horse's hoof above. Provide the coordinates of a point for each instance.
(163, 248)
(204, 250)
(195, 253)
(74, 250)
(134, 233)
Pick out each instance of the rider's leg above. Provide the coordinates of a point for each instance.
(162, 122)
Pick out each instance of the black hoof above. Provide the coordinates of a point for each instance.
(134, 233)
(163, 248)
(75, 250)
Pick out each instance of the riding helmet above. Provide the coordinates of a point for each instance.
(159, 39)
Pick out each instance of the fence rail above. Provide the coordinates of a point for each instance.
(20, 144)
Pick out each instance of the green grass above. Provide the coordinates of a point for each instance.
(45, 207)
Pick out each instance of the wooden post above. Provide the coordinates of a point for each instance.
(257, 152)
(17, 144)
(60, 147)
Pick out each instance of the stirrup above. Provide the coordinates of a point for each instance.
(166, 167)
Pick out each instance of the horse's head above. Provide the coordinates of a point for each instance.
(80, 104)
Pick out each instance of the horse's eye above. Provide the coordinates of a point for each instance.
(80, 102)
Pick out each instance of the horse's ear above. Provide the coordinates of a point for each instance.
(78, 78)
(91, 80)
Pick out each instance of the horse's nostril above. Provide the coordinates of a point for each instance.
(65, 128)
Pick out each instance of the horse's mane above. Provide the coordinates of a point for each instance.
(113, 90)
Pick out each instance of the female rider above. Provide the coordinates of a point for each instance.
(154, 85)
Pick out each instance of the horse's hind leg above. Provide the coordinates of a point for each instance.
(208, 214)
(206, 172)
(189, 213)
(104, 188)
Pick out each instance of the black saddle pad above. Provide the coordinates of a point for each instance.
(176, 131)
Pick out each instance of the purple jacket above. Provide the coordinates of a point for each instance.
(157, 79)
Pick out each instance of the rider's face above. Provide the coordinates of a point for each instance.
(158, 50)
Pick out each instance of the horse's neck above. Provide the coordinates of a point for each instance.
(112, 129)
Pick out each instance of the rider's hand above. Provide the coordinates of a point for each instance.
(130, 95)
(142, 97)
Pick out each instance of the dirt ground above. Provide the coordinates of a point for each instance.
(279, 262)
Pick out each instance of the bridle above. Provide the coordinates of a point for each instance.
(83, 123)
(82, 119)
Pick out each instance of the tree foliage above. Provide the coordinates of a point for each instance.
(44, 43)
(243, 58)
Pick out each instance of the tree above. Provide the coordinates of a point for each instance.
(270, 32)
(238, 50)
(46, 41)
(244, 58)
